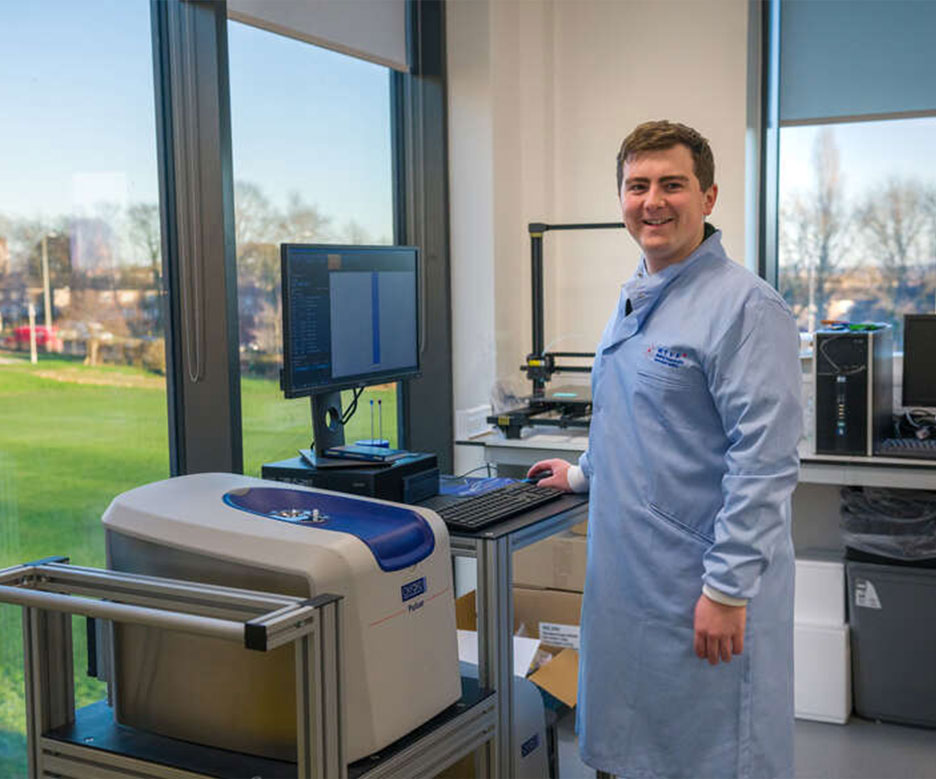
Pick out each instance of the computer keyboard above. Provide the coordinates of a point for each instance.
(479, 511)
(916, 448)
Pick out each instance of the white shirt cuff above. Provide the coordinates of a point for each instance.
(720, 597)
(578, 481)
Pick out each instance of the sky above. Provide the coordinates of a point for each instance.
(78, 121)
(870, 153)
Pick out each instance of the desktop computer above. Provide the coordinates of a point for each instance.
(854, 396)
(350, 320)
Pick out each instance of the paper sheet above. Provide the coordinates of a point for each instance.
(524, 649)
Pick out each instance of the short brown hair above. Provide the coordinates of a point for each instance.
(663, 134)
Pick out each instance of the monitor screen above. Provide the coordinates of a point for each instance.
(350, 316)
(919, 360)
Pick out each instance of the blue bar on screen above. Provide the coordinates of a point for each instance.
(375, 317)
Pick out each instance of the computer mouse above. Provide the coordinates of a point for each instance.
(537, 477)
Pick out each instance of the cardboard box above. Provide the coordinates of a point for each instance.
(555, 563)
(581, 529)
(820, 591)
(822, 682)
(552, 614)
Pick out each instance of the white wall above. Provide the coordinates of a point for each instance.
(541, 93)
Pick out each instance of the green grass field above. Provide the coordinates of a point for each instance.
(71, 438)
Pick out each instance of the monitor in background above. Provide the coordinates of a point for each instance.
(350, 319)
(919, 360)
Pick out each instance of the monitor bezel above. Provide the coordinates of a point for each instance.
(931, 401)
(359, 380)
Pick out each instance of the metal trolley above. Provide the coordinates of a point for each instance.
(88, 743)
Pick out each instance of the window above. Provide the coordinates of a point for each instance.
(857, 221)
(83, 412)
(312, 164)
(856, 201)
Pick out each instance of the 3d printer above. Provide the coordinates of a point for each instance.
(560, 406)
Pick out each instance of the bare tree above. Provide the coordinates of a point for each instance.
(894, 221)
(795, 251)
(814, 237)
(254, 215)
(260, 228)
(929, 209)
(355, 233)
(144, 232)
(831, 215)
(302, 223)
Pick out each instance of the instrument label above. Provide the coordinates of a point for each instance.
(413, 589)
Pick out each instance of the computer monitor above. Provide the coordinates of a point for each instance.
(350, 316)
(350, 319)
(919, 360)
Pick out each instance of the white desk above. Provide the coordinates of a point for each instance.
(539, 444)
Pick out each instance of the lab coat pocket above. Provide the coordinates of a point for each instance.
(704, 540)
(679, 397)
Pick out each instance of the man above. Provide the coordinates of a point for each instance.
(686, 666)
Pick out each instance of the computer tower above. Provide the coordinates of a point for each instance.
(854, 393)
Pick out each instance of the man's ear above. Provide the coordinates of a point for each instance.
(709, 197)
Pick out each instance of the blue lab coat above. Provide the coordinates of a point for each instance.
(691, 463)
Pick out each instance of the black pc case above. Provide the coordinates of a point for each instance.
(854, 393)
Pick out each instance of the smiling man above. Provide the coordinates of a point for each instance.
(686, 665)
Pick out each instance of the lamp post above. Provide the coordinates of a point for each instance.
(33, 357)
(46, 292)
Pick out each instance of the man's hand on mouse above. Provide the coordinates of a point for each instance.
(559, 478)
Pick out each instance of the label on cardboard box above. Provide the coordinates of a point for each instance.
(555, 634)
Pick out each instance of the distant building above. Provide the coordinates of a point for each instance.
(14, 297)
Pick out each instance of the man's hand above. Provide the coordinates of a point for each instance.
(719, 630)
(559, 478)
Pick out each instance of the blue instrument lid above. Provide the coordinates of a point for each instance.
(398, 537)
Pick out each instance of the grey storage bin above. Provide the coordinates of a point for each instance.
(892, 614)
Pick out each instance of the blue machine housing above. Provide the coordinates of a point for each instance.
(397, 537)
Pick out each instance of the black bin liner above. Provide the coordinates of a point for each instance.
(889, 525)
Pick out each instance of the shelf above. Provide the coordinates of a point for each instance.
(869, 472)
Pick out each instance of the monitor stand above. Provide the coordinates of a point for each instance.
(327, 429)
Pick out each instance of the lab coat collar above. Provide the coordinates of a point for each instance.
(644, 289)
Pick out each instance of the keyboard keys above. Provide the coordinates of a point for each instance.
(479, 511)
(918, 448)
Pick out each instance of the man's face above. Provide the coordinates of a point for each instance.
(664, 205)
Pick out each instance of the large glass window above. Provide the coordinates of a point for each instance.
(82, 365)
(312, 164)
(857, 221)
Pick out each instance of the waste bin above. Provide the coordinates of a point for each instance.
(892, 614)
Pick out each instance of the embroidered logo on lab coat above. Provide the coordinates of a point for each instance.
(670, 357)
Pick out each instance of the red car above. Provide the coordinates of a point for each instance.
(20, 338)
